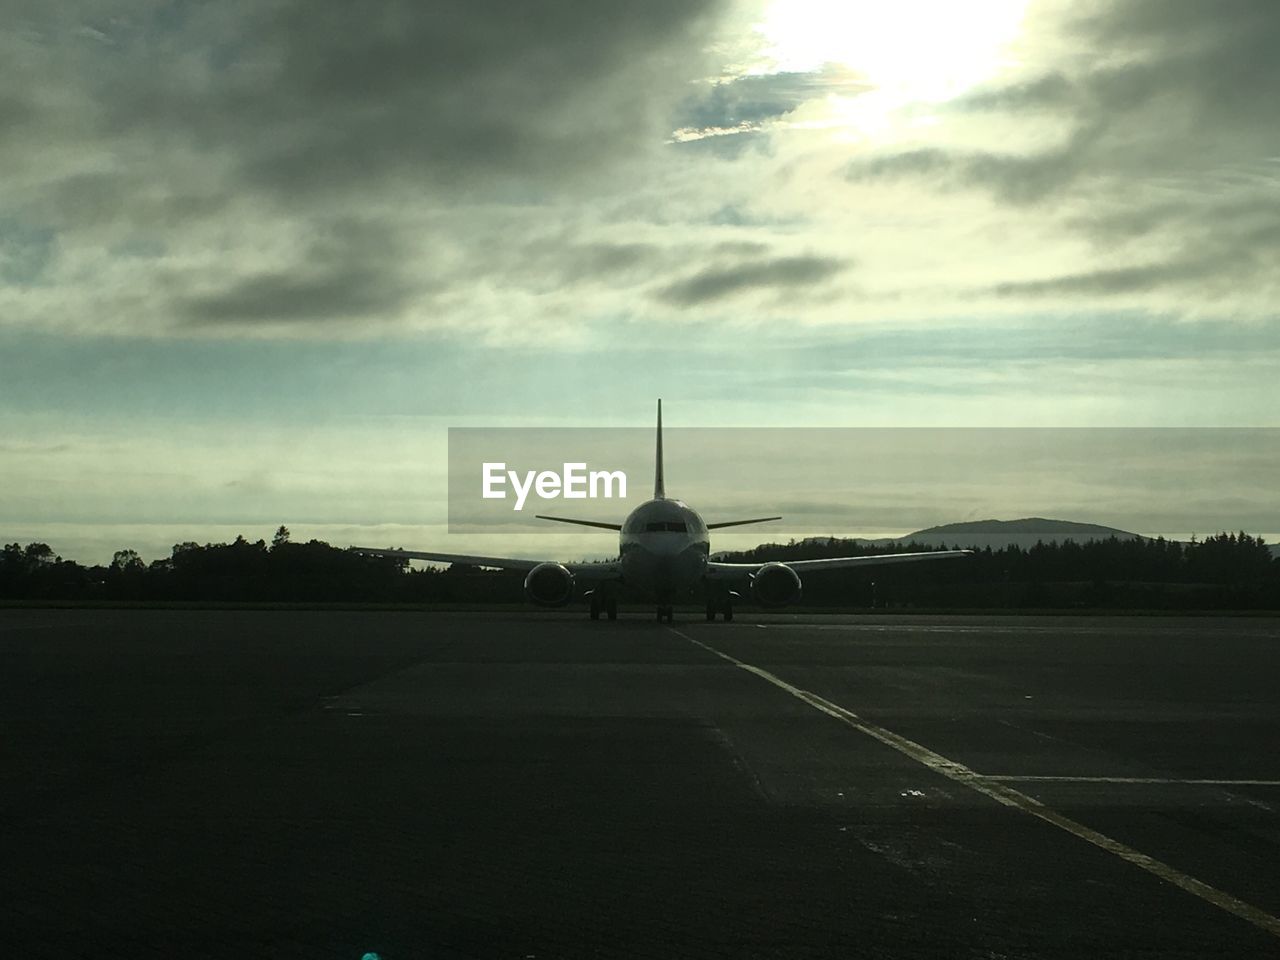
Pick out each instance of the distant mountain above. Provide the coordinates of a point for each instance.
(1022, 533)
(999, 533)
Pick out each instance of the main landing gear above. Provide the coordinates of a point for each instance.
(720, 605)
(607, 605)
(665, 613)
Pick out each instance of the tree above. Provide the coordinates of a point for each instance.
(127, 561)
(38, 554)
(281, 537)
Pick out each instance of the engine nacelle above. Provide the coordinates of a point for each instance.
(549, 585)
(775, 585)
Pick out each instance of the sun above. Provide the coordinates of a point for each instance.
(909, 51)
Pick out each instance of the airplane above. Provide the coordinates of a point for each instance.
(663, 556)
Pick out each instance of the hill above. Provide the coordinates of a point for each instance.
(1026, 532)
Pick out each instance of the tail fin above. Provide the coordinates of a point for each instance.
(659, 489)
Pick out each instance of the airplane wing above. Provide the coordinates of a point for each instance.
(739, 523)
(587, 571)
(733, 571)
(581, 523)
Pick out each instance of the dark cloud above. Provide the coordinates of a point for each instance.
(308, 99)
(292, 296)
(1233, 242)
(601, 262)
(717, 283)
(128, 199)
(1018, 179)
(351, 272)
(1179, 24)
(1107, 282)
(232, 134)
(1049, 91)
(323, 95)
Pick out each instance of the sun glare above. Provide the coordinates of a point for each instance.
(911, 51)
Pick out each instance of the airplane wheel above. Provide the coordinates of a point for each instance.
(612, 608)
(595, 607)
(728, 613)
(711, 610)
(660, 614)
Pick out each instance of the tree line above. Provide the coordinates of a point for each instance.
(1229, 570)
(1224, 571)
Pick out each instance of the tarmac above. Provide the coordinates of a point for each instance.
(426, 785)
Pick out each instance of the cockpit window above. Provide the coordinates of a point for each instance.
(667, 526)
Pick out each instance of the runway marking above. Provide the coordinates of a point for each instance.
(1205, 781)
(1009, 797)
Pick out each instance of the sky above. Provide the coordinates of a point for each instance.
(257, 257)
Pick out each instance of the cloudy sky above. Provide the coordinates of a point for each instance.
(256, 257)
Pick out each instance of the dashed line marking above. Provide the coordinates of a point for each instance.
(1009, 797)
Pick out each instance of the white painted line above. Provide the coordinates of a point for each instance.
(1010, 797)
(1014, 778)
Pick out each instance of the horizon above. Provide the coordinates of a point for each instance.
(161, 547)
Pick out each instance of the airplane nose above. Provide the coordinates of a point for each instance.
(666, 546)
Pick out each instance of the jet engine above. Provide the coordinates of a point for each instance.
(775, 585)
(549, 585)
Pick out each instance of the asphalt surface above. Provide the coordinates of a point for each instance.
(321, 784)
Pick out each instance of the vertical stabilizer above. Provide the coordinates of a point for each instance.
(659, 490)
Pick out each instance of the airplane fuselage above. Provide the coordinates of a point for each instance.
(663, 548)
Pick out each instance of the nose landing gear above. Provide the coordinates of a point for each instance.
(665, 613)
